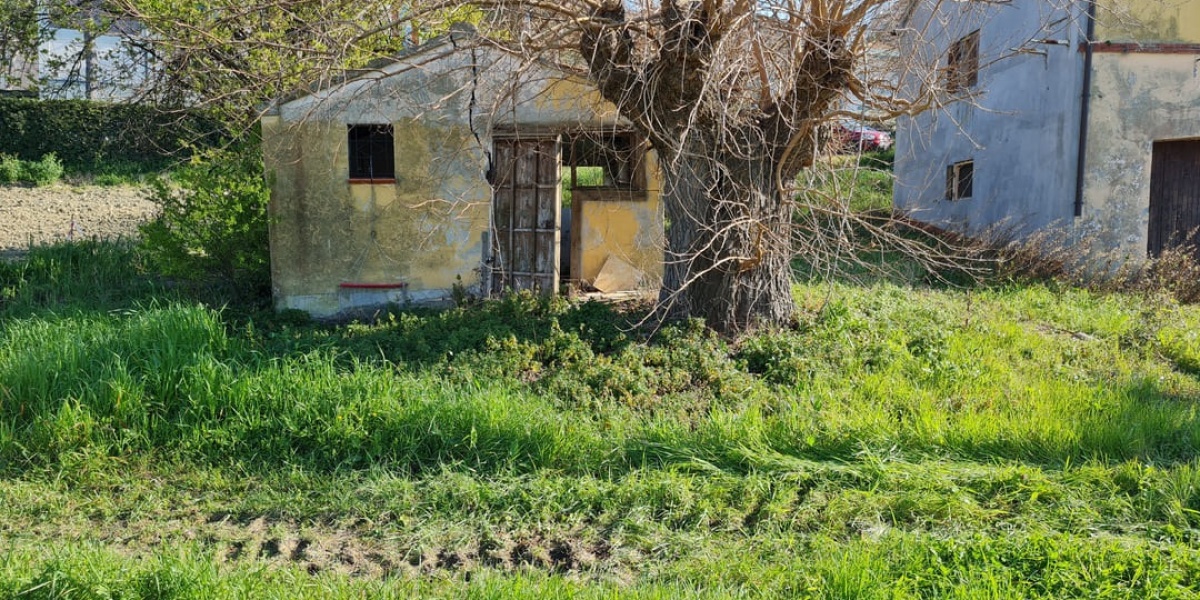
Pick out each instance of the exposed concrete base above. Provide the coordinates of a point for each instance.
(354, 303)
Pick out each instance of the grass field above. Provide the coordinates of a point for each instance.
(901, 441)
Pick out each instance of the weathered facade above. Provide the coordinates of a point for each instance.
(442, 169)
(1079, 116)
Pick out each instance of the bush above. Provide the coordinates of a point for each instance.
(10, 169)
(109, 180)
(88, 136)
(42, 172)
(213, 219)
(882, 160)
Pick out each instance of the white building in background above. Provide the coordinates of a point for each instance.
(113, 66)
(1081, 118)
(71, 63)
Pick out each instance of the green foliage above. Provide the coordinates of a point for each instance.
(895, 442)
(882, 160)
(44, 171)
(584, 177)
(91, 136)
(213, 219)
(84, 275)
(21, 31)
(235, 63)
(109, 180)
(11, 169)
(863, 185)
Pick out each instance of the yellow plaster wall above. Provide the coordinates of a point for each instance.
(1148, 21)
(1137, 99)
(572, 97)
(425, 230)
(629, 230)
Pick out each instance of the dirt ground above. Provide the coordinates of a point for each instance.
(33, 216)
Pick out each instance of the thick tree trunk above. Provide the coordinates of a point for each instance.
(723, 131)
(728, 243)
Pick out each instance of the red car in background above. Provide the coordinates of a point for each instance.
(855, 136)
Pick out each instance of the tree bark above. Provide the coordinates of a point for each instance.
(728, 251)
(723, 135)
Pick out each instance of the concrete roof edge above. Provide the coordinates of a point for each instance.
(458, 32)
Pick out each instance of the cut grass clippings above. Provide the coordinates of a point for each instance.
(1015, 441)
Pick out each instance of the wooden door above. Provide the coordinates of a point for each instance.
(1174, 194)
(525, 214)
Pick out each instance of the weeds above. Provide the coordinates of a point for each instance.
(1048, 256)
(895, 441)
(47, 170)
(213, 220)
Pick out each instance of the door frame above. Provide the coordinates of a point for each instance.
(1172, 212)
(525, 216)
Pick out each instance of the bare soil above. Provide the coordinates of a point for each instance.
(45, 215)
(364, 549)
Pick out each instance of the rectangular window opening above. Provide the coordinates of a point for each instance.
(603, 161)
(372, 152)
(960, 180)
(962, 63)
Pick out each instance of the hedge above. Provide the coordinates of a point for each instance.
(86, 135)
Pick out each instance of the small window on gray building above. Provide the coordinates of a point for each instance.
(372, 152)
(960, 180)
(962, 63)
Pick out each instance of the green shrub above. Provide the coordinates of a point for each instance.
(10, 169)
(882, 160)
(212, 219)
(109, 180)
(89, 136)
(42, 172)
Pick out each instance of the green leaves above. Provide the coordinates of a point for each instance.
(213, 218)
(38, 172)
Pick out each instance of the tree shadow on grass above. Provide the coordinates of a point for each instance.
(422, 338)
(97, 277)
(228, 394)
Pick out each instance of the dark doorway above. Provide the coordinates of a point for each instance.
(1174, 194)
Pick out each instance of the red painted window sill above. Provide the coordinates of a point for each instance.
(356, 181)
(372, 286)
(1143, 47)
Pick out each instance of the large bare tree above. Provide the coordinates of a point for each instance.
(732, 94)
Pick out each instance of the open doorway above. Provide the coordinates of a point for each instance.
(1174, 195)
(598, 167)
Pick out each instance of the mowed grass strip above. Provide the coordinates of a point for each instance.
(899, 566)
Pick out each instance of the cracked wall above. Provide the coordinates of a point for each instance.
(1137, 99)
(426, 230)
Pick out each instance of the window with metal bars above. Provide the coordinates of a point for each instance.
(962, 63)
(372, 152)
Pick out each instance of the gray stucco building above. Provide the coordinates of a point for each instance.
(1078, 115)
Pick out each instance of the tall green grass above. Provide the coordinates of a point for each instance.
(895, 566)
(1035, 374)
(897, 441)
